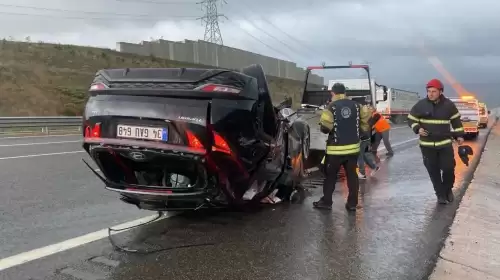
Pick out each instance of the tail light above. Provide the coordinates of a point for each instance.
(98, 86)
(193, 141)
(93, 131)
(220, 144)
(217, 88)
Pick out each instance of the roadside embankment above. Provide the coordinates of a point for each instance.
(472, 250)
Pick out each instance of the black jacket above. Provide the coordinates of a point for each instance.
(436, 117)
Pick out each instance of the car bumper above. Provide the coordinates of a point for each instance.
(470, 127)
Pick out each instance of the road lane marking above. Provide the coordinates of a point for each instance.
(40, 143)
(399, 127)
(40, 155)
(312, 169)
(71, 243)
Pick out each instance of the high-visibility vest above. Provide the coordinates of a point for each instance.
(343, 118)
(382, 124)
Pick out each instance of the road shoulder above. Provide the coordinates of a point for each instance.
(472, 249)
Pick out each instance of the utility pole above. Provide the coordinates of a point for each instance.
(211, 20)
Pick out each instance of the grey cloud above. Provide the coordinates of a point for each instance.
(387, 33)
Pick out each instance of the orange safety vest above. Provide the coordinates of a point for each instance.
(382, 124)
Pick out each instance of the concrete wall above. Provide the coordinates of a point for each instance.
(210, 54)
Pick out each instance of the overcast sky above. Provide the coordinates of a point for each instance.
(464, 35)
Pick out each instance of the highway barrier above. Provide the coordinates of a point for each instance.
(44, 125)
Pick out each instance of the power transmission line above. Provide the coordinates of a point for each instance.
(301, 43)
(272, 36)
(159, 2)
(140, 19)
(144, 16)
(211, 20)
(260, 41)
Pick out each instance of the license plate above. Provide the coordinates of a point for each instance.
(142, 132)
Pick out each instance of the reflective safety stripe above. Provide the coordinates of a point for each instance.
(413, 125)
(323, 160)
(430, 121)
(434, 121)
(345, 152)
(457, 115)
(457, 129)
(413, 118)
(343, 149)
(439, 143)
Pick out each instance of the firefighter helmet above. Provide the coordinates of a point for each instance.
(435, 83)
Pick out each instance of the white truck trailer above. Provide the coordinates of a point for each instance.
(398, 105)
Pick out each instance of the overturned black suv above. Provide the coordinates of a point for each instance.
(184, 139)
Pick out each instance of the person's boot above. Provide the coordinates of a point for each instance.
(450, 197)
(442, 200)
(320, 204)
(350, 208)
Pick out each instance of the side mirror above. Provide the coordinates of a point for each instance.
(489, 112)
(385, 93)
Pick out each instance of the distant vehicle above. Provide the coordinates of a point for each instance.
(175, 139)
(483, 115)
(468, 107)
(398, 105)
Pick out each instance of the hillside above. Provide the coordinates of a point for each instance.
(39, 79)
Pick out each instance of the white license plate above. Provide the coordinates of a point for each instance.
(142, 132)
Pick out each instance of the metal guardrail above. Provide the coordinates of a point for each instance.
(14, 122)
(55, 125)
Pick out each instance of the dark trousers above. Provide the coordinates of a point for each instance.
(437, 161)
(332, 167)
(382, 136)
(366, 157)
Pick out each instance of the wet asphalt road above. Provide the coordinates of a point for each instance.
(52, 198)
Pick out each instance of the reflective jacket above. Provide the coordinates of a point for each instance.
(342, 120)
(436, 118)
(379, 123)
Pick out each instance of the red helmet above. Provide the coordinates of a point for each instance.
(435, 83)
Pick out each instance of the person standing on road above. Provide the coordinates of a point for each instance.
(431, 118)
(343, 120)
(382, 128)
(365, 154)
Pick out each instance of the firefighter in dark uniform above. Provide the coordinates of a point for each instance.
(344, 121)
(431, 118)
